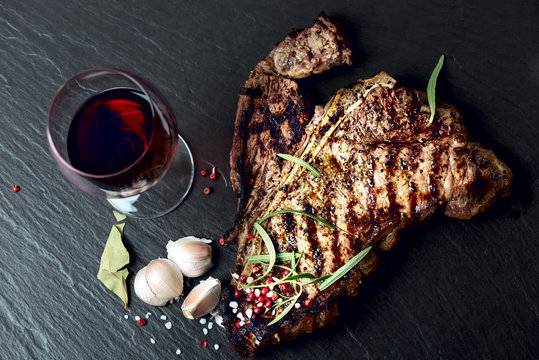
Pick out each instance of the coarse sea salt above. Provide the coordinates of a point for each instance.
(257, 292)
(210, 325)
(250, 279)
(178, 351)
(216, 346)
(242, 323)
(240, 316)
(137, 318)
(233, 304)
(152, 340)
(297, 306)
(235, 276)
(163, 317)
(126, 316)
(148, 315)
(257, 342)
(205, 331)
(234, 310)
(168, 325)
(270, 294)
(249, 313)
(203, 321)
(248, 291)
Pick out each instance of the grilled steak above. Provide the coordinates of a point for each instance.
(383, 167)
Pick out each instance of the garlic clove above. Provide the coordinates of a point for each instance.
(202, 299)
(143, 290)
(191, 254)
(159, 282)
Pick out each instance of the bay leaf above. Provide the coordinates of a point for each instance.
(115, 257)
(119, 216)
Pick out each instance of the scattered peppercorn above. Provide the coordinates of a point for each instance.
(238, 325)
(222, 241)
(252, 181)
(251, 297)
(308, 302)
(16, 188)
(274, 297)
(204, 172)
(257, 310)
(269, 281)
(141, 322)
(214, 176)
(260, 299)
(250, 236)
(237, 293)
(255, 270)
(264, 290)
(284, 287)
(207, 191)
(204, 343)
(286, 272)
(243, 279)
(267, 304)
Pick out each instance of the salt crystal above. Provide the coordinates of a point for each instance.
(297, 306)
(152, 340)
(259, 304)
(205, 331)
(271, 287)
(234, 310)
(163, 317)
(168, 325)
(242, 323)
(126, 316)
(270, 294)
(249, 312)
(233, 304)
(280, 300)
(240, 316)
(137, 318)
(216, 346)
(178, 351)
(275, 279)
(203, 321)
(210, 325)
(257, 292)
(250, 279)
(148, 315)
(257, 342)
(248, 291)
(235, 276)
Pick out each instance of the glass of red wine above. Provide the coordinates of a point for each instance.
(113, 134)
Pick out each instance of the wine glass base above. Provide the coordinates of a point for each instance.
(167, 194)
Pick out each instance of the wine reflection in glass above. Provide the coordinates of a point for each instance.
(114, 135)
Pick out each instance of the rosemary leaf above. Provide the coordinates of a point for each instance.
(344, 269)
(297, 212)
(254, 259)
(321, 278)
(271, 249)
(300, 276)
(285, 311)
(300, 162)
(431, 88)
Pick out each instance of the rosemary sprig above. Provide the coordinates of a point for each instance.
(300, 162)
(290, 306)
(297, 212)
(344, 269)
(431, 88)
(255, 259)
(271, 251)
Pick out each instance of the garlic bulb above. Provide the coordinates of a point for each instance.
(159, 282)
(202, 299)
(191, 254)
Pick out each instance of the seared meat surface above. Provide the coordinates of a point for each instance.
(384, 167)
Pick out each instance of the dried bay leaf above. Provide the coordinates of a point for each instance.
(119, 216)
(115, 256)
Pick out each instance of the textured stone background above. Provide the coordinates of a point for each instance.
(451, 289)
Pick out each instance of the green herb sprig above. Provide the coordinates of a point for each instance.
(431, 87)
(344, 269)
(300, 162)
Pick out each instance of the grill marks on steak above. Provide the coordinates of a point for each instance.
(273, 114)
(384, 167)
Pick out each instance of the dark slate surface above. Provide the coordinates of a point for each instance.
(451, 289)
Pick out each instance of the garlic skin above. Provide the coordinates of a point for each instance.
(202, 299)
(191, 254)
(159, 282)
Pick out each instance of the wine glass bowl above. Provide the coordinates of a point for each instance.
(113, 134)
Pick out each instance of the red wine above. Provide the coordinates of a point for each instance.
(116, 133)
